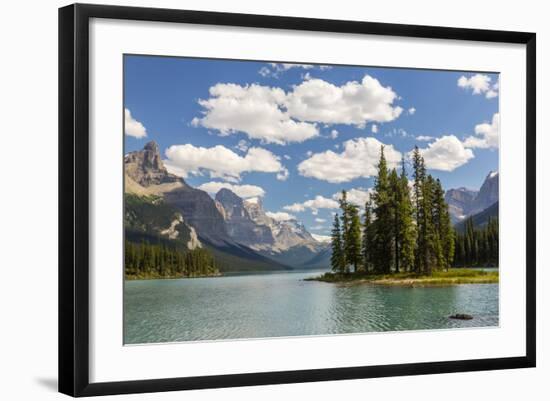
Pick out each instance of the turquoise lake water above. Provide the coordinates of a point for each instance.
(283, 304)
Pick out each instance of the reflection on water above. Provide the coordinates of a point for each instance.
(282, 304)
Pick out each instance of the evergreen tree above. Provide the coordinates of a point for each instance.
(353, 238)
(407, 234)
(442, 226)
(477, 246)
(395, 201)
(382, 259)
(430, 252)
(419, 175)
(367, 244)
(337, 259)
(345, 226)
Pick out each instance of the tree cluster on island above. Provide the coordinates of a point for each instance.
(401, 230)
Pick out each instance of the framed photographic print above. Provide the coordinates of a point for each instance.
(250, 200)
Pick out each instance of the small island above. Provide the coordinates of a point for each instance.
(407, 239)
(411, 279)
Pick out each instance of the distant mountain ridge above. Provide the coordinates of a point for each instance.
(480, 219)
(237, 231)
(464, 202)
(286, 241)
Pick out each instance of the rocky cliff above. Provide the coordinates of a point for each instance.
(286, 242)
(146, 168)
(240, 225)
(465, 202)
(488, 193)
(459, 201)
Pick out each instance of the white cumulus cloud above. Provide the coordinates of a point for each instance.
(258, 111)
(353, 103)
(411, 110)
(132, 127)
(244, 191)
(479, 84)
(319, 202)
(280, 216)
(272, 115)
(357, 196)
(334, 134)
(446, 154)
(220, 162)
(359, 158)
(487, 135)
(374, 128)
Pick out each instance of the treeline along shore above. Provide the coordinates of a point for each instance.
(148, 261)
(405, 235)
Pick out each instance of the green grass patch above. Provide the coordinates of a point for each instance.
(451, 277)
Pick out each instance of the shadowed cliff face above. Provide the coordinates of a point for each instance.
(465, 202)
(240, 226)
(200, 211)
(459, 201)
(488, 194)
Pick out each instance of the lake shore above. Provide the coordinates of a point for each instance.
(408, 279)
(133, 277)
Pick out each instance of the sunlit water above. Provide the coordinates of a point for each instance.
(283, 304)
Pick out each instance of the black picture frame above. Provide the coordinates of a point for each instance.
(74, 201)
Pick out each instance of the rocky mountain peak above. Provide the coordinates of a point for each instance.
(240, 225)
(152, 146)
(231, 204)
(226, 196)
(146, 167)
(464, 202)
(488, 193)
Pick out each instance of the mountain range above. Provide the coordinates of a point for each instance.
(238, 231)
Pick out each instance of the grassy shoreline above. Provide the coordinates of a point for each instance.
(407, 279)
(132, 277)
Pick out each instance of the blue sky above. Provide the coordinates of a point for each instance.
(298, 134)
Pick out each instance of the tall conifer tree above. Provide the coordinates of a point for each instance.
(345, 219)
(395, 201)
(367, 245)
(383, 224)
(419, 175)
(353, 240)
(407, 234)
(337, 259)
